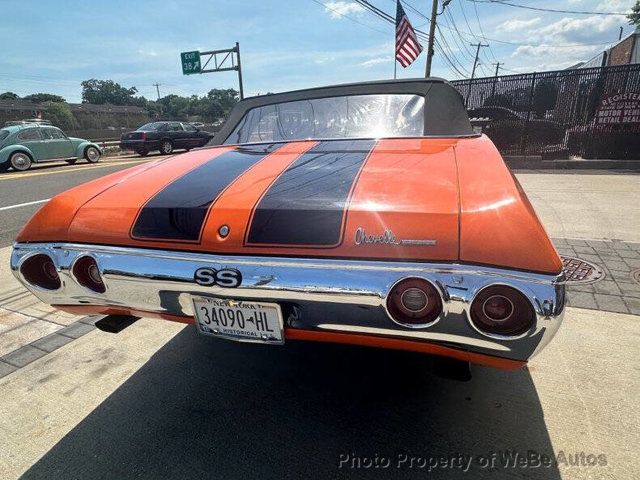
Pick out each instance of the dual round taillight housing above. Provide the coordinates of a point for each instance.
(496, 310)
(501, 310)
(40, 271)
(414, 302)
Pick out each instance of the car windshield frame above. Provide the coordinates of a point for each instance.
(445, 115)
(388, 115)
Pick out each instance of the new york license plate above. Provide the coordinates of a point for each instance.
(239, 320)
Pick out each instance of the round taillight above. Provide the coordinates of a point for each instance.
(87, 274)
(502, 310)
(414, 302)
(40, 271)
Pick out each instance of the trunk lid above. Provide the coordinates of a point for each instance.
(382, 199)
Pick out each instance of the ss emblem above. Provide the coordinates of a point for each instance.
(226, 277)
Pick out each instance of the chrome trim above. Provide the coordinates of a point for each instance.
(315, 294)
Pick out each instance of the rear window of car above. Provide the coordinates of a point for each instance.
(352, 116)
(30, 134)
(150, 127)
(4, 134)
(52, 133)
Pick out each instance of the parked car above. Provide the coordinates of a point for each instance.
(165, 137)
(24, 144)
(506, 128)
(366, 214)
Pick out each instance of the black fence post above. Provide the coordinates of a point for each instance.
(525, 134)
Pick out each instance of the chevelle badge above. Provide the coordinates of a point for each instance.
(386, 238)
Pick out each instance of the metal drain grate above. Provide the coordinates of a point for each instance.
(577, 270)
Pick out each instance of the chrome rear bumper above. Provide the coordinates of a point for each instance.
(316, 294)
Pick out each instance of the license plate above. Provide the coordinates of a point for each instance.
(239, 320)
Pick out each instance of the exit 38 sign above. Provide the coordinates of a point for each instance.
(190, 62)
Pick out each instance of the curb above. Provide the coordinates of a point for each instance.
(535, 162)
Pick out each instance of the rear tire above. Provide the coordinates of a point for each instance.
(166, 147)
(92, 154)
(143, 153)
(20, 162)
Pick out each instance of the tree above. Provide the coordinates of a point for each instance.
(60, 115)
(8, 96)
(44, 97)
(634, 16)
(222, 101)
(107, 91)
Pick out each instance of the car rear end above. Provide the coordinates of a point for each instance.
(418, 240)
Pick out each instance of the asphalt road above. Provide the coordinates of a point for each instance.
(22, 194)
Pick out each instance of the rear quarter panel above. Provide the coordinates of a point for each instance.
(498, 225)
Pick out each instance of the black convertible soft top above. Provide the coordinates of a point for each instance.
(444, 111)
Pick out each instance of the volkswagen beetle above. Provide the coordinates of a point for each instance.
(26, 143)
(367, 214)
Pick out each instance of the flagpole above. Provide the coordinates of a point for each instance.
(395, 67)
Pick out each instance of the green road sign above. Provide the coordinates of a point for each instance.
(190, 62)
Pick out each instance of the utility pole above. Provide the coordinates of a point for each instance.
(473, 72)
(620, 34)
(157, 85)
(432, 31)
(475, 62)
(497, 67)
(495, 78)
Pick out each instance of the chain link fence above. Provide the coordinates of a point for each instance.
(590, 112)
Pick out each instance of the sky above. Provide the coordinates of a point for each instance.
(52, 45)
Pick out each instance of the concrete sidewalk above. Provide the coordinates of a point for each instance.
(156, 400)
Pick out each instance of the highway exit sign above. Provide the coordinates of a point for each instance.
(190, 63)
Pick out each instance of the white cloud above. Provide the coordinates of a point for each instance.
(614, 5)
(338, 9)
(576, 30)
(517, 25)
(375, 61)
(576, 53)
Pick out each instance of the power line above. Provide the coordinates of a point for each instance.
(475, 37)
(552, 10)
(421, 34)
(475, 9)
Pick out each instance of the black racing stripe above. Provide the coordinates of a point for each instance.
(178, 211)
(306, 204)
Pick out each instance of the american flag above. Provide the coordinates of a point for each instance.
(407, 45)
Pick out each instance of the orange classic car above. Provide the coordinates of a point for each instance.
(367, 214)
